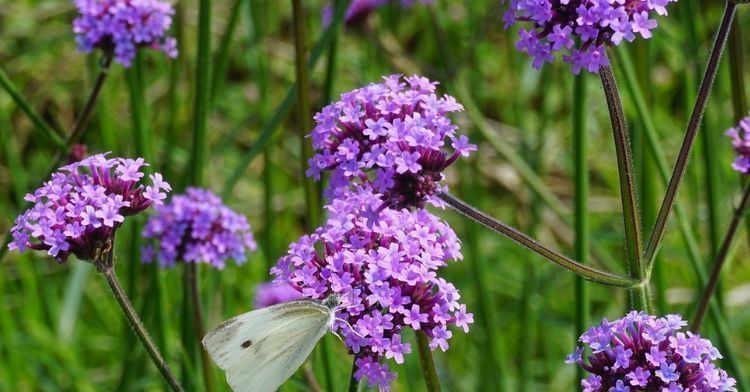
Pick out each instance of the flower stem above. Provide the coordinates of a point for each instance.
(79, 125)
(581, 218)
(353, 382)
(303, 100)
(137, 324)
(721, 257)
(657, 234)
(586, 272)
(428, 363)
(191, 280)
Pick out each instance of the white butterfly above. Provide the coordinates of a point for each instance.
(261, 349)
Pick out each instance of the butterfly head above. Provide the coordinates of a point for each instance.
(332, 301)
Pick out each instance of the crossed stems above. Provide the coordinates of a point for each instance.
(639, 264)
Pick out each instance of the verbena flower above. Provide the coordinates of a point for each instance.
(270, 293)
(386, 275)
(80, 208)
(581, 30)
(359, 10)
(197, 227)
(640, 352)
(123, 26)
(741, 144)
(394, 136)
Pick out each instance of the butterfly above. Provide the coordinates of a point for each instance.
(261, 349)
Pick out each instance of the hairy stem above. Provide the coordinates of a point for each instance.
(721, 257)
(353, 382)
(657, 234)
(137, 324)
(428, 363)
(586, 272)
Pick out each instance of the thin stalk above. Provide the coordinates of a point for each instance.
(721, 258)
(80, 123)
(581, 217)
(304, 125)
(353, 382)
(222, 53)
(696, 261)
(272, 125)
(137, 324)
(427, 362)
(586, 272)
(626, 172)
(736, 60)
(198, 166)
(657, 234)
(46, 130)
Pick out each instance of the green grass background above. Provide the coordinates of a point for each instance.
(61, 330)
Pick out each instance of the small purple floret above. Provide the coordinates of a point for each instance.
(632, 360)
(741, 142)
(197, 227)
(270, 293)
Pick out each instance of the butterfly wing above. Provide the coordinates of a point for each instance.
(261, 349)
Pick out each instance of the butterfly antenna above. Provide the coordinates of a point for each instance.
(354, 331)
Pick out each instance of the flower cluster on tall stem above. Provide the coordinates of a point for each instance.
(392, 136)
(79, 210)
(196, 227)
(386, 276)
(581, 29)
(122, 26)
(640, 352)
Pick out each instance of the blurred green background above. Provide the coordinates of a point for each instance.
(61, 330)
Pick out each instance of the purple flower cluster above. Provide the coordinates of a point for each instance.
(386, 275)
(197, 227)
(581, 29)
(80, 208)
(741, 142)
(391, 136)
(359, 10)
(270, 293)
(640, 352)
(123, 26)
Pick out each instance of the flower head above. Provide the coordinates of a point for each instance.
(581, 30)
(81, 207)
(197, 227)
(741, 142)
(640, 352)
(386, 275)
(270, 293)
(394, 136)
(123, 26)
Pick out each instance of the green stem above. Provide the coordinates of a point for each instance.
(586, 272)
(45, 129)
(721, 258)
(283, 109)
(202, 93)
(657, 234)
(428, 363)
(80, 123)
(581, 218)
(222, 53)
(303, 100)
(137, 325)
(625, 170)
(191, 280)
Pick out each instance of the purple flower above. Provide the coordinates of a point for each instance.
(122, 26)
(81, 207)
(741, 144)
(391, 136)
(580, 29)
(359, 10)
(386, 276)
(631, 359)
(270, 293)
(197, 227)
